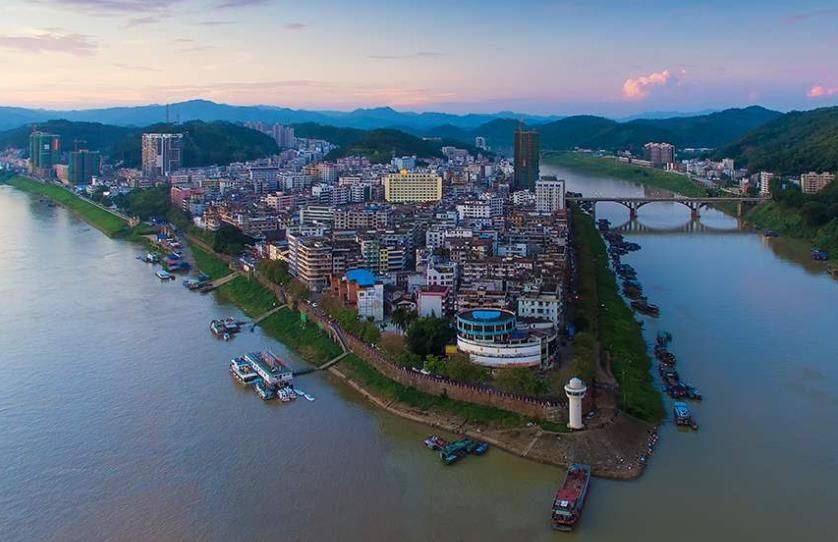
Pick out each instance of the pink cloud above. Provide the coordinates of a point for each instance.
(819, 91)
(638, 88)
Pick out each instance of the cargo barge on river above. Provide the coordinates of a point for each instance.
(570, 498)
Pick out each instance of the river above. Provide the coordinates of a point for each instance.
(118, 420)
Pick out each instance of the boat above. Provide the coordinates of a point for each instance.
(164, 275)
(770, 233)
(225, 328)
(819, 255)
(645, 307)
(242, 371)
(451, 453)
(478, 447)
(263, 390)
(304, 394)
(570, 498)
(282, 393)
(682, 415)
(664, 338)
(435, 443)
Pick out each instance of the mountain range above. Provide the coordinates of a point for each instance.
(709, 130)
(144, 115)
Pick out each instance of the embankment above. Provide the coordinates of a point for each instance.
(595, 165)
(620, 346)
(109, 223)
(789, 222)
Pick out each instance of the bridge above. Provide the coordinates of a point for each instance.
(635, 203)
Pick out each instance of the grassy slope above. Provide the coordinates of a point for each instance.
(637, 174)
(772, 216)
(108, 223)
(618, 332)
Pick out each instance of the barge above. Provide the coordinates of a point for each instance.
(570, 498)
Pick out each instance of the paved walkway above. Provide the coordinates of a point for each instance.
(212, 285)
(265, 315)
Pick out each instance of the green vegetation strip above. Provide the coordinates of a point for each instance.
(791, 222)
(382, 386)
(209, 263)
(629, 172)
(108, 223)
(613, 321)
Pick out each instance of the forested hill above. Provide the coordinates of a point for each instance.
(205, 143)
(711, 130)
(378, 145)
(795, 143)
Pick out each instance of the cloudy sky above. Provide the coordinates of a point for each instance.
(536, 56)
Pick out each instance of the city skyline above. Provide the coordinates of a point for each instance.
(473, 57)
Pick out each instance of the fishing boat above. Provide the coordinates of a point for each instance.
(478, 447)
(435, 443)
(644, 307)
(451, 453)
(570, 498)
(664, 338)
(682, 415)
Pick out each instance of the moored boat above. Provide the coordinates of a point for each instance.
(434, 442)
(682, 415)
(164, 275)
(451, 453)
(570, 498)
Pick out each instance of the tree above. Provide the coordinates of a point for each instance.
(436, 365)
(403, 318)
(519, 380)
(461, 369)
(815, 213)
(230, 240)
(428, 336)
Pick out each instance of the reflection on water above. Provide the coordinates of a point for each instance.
(119, 420)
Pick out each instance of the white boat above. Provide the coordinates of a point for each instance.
(304, 394)
(164, 275)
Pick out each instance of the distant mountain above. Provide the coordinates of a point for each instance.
(711, 130)
(205, 143)
(797, 142)
(381, 117)
(378, 145)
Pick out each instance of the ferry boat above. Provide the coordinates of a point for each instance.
(242, 371)
(570, 498)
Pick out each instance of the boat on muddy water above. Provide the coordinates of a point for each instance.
(682, 415)
(644, 307)
(570, 498)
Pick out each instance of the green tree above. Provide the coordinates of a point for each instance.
(230, 240)
(459, 368)
(520, 380)
(403, 318)
(428, 336)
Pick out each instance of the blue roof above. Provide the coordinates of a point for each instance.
(485, 315)
(363, 277)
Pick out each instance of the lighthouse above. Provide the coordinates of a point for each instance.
(575, 390)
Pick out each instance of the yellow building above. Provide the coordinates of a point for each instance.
(405, 187)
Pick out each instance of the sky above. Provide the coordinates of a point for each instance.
(559, 57)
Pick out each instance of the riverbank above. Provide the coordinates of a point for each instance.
(645, 176)
(619, 352)
(789, 222)
(107, 222)
(613, 445)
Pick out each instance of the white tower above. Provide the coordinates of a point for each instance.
(575, 390)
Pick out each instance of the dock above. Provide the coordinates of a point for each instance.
(213, 284)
